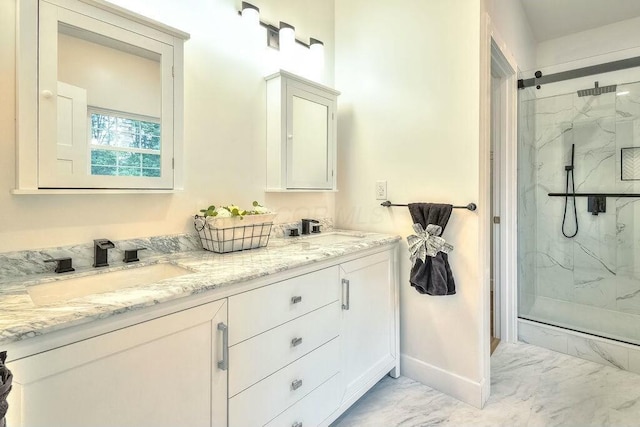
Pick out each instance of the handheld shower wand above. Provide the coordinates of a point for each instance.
(569, 170)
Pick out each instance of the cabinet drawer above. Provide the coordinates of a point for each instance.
(276, 348)
(254, 312)
(313, 408)
(263, 401)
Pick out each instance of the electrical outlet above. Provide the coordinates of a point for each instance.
(381, 190)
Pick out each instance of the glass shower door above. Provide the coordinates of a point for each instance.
(591, 282)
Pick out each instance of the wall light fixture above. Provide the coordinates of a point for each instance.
(277, 35)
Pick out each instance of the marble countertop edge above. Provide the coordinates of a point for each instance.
(21, 319)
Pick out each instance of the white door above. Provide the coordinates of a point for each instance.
(158, 373)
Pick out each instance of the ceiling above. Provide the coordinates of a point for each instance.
(556, 18)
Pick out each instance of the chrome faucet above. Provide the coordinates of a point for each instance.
(305, 225)
(100, 255)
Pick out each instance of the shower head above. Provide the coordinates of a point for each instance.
(597, 90)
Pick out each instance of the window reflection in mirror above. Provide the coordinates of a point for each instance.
(123, 91)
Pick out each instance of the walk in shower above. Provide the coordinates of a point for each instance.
(588, 282)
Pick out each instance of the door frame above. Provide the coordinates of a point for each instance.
(493, 45)
(505, 65)
(497, 118)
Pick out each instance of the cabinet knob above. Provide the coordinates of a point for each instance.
(47, 93)
(296, 384)
(289, 136)
(296, 299)
(296, 424)
(296, 342)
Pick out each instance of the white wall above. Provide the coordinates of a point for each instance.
(601, 44)
(224, 130)
(409, 114)
(509, 19)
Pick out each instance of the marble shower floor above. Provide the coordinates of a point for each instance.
(530, 386)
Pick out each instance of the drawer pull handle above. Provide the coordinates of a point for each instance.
(295, 300)
(296, 384)
(296, 342)
(296, 424)
(224, 363)
(345, 303)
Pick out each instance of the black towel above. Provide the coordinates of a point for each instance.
(5, 387)
(433, 277)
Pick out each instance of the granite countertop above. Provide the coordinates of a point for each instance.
(21, 319)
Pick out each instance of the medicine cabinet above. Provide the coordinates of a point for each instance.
(301, 134)
(99, 98)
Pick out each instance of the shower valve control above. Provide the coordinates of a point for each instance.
(597, 204)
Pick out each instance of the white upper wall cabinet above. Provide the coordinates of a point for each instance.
(99, 98)
(301, 134)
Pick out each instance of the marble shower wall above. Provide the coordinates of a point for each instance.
(600, 267)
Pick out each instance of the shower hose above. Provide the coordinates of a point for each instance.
(569, 170)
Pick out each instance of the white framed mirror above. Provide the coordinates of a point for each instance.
(107, 98)
(301, 134)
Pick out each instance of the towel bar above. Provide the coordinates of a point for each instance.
(470, 206)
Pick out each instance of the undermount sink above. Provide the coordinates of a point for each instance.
(331, 237)
(76, 287)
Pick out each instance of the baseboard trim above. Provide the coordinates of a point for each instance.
(464, 389)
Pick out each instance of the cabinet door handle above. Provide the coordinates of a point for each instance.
(296, 384)
(296, 424)
(295, 300)
(224, 363)
(345, 304)
(296, 342)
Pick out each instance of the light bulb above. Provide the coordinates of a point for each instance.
(287, 35)
(250, 14)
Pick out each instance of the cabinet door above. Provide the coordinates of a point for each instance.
(368, 323)
(158, 373)
(111, 122)
(310, 140)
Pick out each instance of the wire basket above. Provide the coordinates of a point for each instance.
(222, 235)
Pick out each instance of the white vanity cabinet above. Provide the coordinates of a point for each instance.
(292, 349)
(301, 134)
(305, 349)
(162, 372)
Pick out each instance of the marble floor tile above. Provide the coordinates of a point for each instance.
(530, 386)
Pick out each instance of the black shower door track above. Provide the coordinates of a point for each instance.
(580, 72)
(594, 194)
